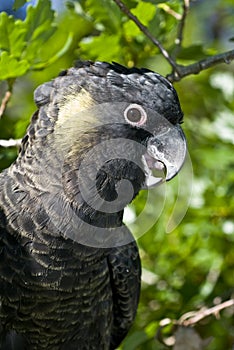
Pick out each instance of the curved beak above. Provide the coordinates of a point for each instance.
(166, 153)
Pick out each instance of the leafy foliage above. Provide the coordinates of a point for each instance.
(192, 266)
(21, 41)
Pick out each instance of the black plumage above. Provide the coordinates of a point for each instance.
(69, 268)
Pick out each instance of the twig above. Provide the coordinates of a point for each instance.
(181, 26)
(10, 143)
(178, 71)
(171, 12)
(197, 67)
(4, 103)
(198, 316)
(144, 30)
(188, 320)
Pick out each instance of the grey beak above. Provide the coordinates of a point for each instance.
(167, 151)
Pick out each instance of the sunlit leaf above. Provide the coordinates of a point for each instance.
(10, 67)
(97, 47)
(193, 52)
(12, 35)
(145, 12)
(106, 12)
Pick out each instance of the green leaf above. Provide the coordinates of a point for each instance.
(156, 1)
(105, 12)
(104, 47)
(12, 35)
(145, 12)
(10, 67)
(18, 4)
(22, 41)
(134, 340)
(39, 20)
(58, 54)
(193, 52)
(6, 24)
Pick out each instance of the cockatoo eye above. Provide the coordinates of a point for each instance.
(135, 115)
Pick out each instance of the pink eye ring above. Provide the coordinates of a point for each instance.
(135, 115)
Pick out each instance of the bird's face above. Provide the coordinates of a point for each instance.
(164, 145)
(104, 131)
(101, 102)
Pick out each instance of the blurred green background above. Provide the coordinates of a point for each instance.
(187, 253)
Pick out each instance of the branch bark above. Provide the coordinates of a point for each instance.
(187, 321)
(190, 319)
(180, 34)
(178, 71)
(197, 67)
(4, 103)
(145, 30)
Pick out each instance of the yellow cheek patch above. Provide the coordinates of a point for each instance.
(76, 117)
(72, 107)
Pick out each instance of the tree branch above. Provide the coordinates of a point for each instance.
(4, 103)
(145, 30)
(181, 26)
(197, 67)
(178, 71)
(190, 319)
(171, 12)
(10, 143)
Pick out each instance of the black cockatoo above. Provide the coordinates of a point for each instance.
(69, 268)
